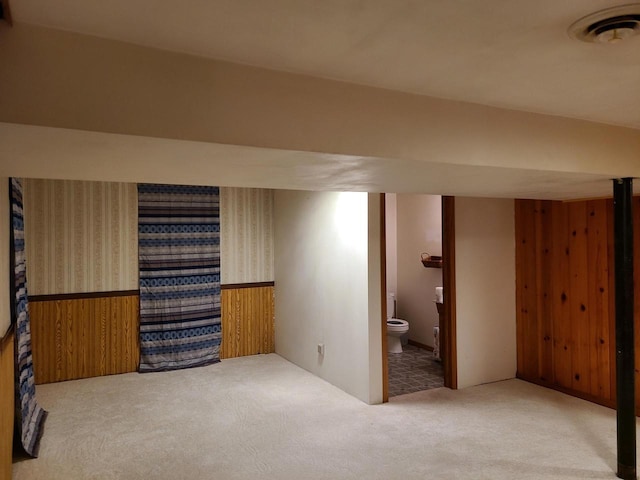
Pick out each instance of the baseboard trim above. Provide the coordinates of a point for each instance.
(573, 393)
(83, 295)
(420, 345)
(130, 293)
(235, 286)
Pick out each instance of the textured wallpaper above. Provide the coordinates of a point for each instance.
(83, 236)
(80, 236)
(246, 227)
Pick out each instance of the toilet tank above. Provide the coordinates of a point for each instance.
(391, 305)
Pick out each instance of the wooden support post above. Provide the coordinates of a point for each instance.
(625, 361)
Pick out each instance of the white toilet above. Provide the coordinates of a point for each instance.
(395, 327)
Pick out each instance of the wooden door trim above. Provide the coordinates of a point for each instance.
(448, 330)
(6, 11)
(383, 297)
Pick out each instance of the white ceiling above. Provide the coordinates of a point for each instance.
(508, 53)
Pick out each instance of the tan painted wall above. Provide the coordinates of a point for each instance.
(69, 80)
(485, 290)
(83, 236)
(419, 230)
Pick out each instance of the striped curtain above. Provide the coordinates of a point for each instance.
(30, 417)
(179, 260)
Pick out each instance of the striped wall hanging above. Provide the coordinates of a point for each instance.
(179, 260)
(30, 416)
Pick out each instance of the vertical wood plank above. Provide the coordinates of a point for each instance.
(40, 362)
(521, 258)
(578, 296)
(612, 303)
(528, 296)
(543, 287)
(598, 295)
(562, 341)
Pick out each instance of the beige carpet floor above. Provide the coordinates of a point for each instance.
(261, 417)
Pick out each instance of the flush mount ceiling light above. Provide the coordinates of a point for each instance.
(608, 26)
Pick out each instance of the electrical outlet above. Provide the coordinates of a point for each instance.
(321, 349)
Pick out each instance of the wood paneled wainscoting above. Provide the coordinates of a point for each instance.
(84, 335)
(565, 296)
(6, 404)
(89, 335)
(248, 317)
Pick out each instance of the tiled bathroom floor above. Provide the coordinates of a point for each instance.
(413, 370)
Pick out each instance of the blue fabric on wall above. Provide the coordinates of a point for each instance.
(179, 257)
(30, 416)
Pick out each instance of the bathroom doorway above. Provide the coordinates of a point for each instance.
(418, 257)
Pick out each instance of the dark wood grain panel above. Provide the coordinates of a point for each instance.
(565, 296)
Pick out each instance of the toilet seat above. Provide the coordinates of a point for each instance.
(397, 325)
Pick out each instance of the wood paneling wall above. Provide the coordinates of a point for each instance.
(85, 337)
(6, 405)
(89, 337)
(565, 296)
(247, 321)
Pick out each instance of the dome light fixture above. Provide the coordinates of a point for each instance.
(608, 26)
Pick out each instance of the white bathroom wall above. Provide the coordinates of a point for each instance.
(485, 290)
(419, 227)
(323, 276)
(391, 239)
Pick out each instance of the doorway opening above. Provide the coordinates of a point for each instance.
(419, 311)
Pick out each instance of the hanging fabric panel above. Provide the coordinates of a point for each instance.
(30, 416)
(179, 259)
